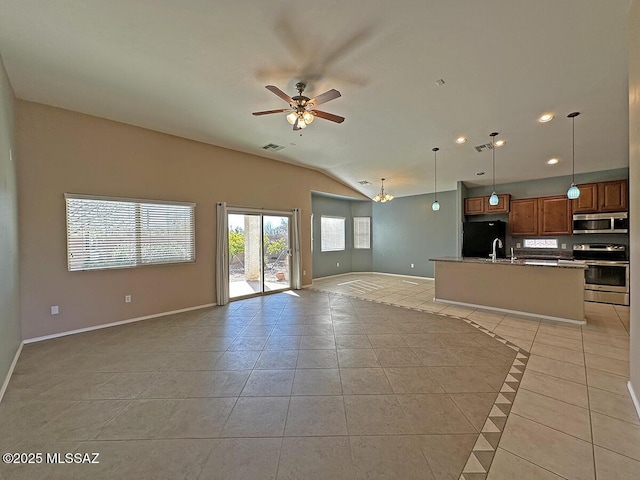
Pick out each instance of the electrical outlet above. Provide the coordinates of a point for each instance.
(304, 272)
(55, 310)
(518, 245)
(127, 299)
(564, 246)
(412, 265)
(338, 264)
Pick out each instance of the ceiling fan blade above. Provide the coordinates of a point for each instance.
(267, 112)
(325, 97)
(328, 116)
(279, 93)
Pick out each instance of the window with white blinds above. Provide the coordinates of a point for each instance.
(332, 234)
(105, 232)
(361, 232)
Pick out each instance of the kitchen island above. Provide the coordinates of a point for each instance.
(545, 289)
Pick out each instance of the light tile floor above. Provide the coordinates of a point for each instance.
(315, 384)
(293, 385)
(572, 416)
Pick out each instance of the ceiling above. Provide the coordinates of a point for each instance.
(197, 69)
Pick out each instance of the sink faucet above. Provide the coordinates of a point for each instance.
(513, 257)
(494, 255)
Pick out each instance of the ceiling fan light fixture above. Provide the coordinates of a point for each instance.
(291, 118)
(308, 117)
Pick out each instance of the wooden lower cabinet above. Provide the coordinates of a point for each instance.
(554, 216)
(523, 217)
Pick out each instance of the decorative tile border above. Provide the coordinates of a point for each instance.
(481, 456)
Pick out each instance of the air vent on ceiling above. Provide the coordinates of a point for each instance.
(364, 182)
(272, 147)
(484, 146)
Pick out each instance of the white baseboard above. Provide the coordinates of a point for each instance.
(636, 403)
(536, 316)
(371, 273)
(10, 372)
(113, 324)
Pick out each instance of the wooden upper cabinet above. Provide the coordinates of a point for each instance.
(523, 217)
(475, 205)
(480, 205)
(612, 196)
(588, 200)
(602, 197)
(504, 201)
(554, 216)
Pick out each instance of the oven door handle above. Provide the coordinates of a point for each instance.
(612, 263)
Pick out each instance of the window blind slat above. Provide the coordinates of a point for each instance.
(118, 233)
(361, 232)
(332, 234)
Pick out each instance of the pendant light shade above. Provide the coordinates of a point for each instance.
(573, 192)
(382, 197)
(435, 206)
(493, 199)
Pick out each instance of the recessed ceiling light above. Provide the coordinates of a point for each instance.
(500, 143)
(461, 140)
(547, 117)
(479, 174)
(552, 161)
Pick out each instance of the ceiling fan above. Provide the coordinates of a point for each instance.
(302, 109)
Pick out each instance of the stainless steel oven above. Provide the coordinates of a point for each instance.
(601, 223)
(607, 278)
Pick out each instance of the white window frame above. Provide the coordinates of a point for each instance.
(540, 243)
(324, 241)
(127, 232)
(361, 237)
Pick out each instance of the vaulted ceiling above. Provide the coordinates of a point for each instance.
(197, 69)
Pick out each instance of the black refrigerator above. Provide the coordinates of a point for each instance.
(478, 237)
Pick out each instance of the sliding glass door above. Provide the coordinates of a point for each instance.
(259, 251)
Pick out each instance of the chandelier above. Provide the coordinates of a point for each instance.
(382, 197)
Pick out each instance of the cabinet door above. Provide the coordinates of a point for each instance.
(554, 216)
(612, 196)
(587, 202)
(523, 217)
(475, 205)
(504, 201)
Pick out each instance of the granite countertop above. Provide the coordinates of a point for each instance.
(521, 262)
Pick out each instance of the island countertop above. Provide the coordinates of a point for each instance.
(522, 262)
(544, 289)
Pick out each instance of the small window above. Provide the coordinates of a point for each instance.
(332, 234)
(540, 243)
(361, 232)
(104, 232)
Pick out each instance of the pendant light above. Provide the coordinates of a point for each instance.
(493, 199)
(573, 192)
(435, 206)
(382, 197)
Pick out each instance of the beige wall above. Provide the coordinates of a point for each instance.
(633, 25)
(63, 151)
(10, 336)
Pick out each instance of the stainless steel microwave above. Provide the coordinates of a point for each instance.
(601, 223)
